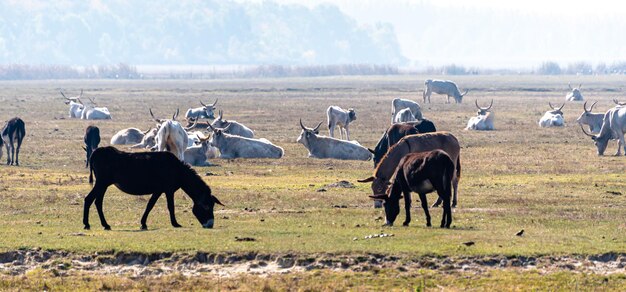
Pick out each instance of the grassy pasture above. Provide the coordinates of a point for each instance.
(549, 182)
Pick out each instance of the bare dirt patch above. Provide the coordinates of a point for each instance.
(138, 265)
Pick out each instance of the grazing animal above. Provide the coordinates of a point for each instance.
(446, 87)
(203, 112)
(129, 136)
(13, 133)
(76, 105)
(398, 104)
(483, 121)
(232, 127)
(337, 116)
(404, 116)
(553, 118)
(588, 118)
(574, 94)
(417, 143)
(198, 153)
(233, 146)
(395, 132)
(613, 127)
(171, 136)
(149, 138)
(92, 139)
(147, 173)
(422, 173)
(328, 147)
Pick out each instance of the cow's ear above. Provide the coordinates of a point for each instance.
(372, 151)
(369, 179)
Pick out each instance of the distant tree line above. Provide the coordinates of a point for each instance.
(38, 72)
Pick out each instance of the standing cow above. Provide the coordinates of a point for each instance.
(92, 139)
(588, 118)
(398, 104)
(613, 127)
(446, 87)
(337, 116)
(13, 133)
(171, 136)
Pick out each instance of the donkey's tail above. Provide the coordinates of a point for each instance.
(458, 167)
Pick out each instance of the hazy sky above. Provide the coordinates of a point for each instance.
(555, 30)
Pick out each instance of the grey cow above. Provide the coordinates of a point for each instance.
(328, 147)
(233, 146)
(446, 87)
(203, 112)
(588, 118)
(398, 104)
(574, 94)
(232, 127)
(337, 116)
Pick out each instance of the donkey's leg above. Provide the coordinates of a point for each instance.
(8, 153)
(97, 191)
(17, 151)
(425, 207)
(170, 207)
(447, 214)
(149, 207)
(455, 189)
(99, 200)
(407, 208)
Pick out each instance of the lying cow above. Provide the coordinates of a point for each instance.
(328, 147)
(398, 104)
(233, 146)
(147, 173)
(200, 152)
(203, 112)
(129, 136)
(149, 139)
(552, 118)
(574, 94)
(483, 121)
(337, 116)
(76, 105)
(232, 127)
(404, 116)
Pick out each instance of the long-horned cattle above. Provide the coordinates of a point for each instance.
(613, 127)
(446, 87)
(483, 121)
(416, 143)
(76, 105)
(404, 116)
(232, 127)
(92, 140)
(93, 112)
(149, 138)
(203, 112)
(171, 136)
(12, 135)
(574, 94)
(342, 118)
(617, 102)
(198, 154)
(129, 136)
(588, 118)
(422, 173)
(395, 132)
(552, 118)
(329, 147)
(147, 173)
(233, 146)
(398, 104)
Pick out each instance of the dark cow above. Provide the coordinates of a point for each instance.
(92, 139)
(422, 173)
(394, 133)
(13, 133)
(146, 173)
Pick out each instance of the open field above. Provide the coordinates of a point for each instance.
(549, 182)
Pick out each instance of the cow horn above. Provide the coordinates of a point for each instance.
(64, 95)
(550, 104)
(148, 131)
(227, 127)
(583, 129)
(580, 85)
(81, 93)
(490, 105)
(617, 102)
(585, 107)
(594, 103)
(211, 126)
(302, 125)
(214, 103)
(476, 102)
(155, 119)
(369, 179)
(317, 127)
(464, 93)
(202, 103)
(569, 85)
(91, 100)
(219, 117)
(195, 122)
(562, 106)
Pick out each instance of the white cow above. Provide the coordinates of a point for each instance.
(198, 153)
(328, 147)
(574, 94)
(588, 118)
(130, 136)
(233, 146)
(404, 116)
(171, 136)
(446, 87)
(613, 127)
(337, 116)
(232, 127)
(553, 118)
(398, 104)
(483, 121)
(76, 105)
(203, 112)
(149, 139)
(93, 112)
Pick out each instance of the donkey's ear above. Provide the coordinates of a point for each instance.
(369, 179)
(217, 201)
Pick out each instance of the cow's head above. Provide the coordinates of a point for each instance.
(308, 133)
(351, 114)
(220, 122)
(575, 92)
(483, 110)
(208, 109)
(584, 117)
(601, 141)
(459, 98)
(217, 136)
(556, 110)
(75, 99)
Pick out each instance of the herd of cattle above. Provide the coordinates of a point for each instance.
(411, 156)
